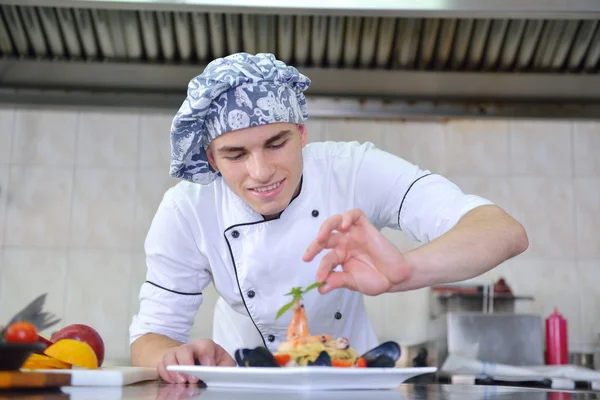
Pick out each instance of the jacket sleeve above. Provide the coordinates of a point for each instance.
(177, 273)
(397, 194)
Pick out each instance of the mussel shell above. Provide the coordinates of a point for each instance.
(323, 360)
(240, 356)
(391, 351)
(382, 361)
(257, 357)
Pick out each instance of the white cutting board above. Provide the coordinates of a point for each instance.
(107, 376)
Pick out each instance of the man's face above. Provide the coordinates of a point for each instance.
(262, 165)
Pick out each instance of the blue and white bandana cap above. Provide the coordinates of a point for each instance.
(235, 92)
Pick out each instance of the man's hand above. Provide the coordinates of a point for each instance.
(199, 352)
(371, 264)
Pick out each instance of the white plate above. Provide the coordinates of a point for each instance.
(301, 378)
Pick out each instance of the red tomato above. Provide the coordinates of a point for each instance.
(21, 332)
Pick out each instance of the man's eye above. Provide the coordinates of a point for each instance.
(278, 146)
(235, 158)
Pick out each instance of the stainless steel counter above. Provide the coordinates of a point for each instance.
(162, 391)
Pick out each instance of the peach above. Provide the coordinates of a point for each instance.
(73, 352)
(83, 333)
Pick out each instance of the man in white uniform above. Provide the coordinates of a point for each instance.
(257, 205)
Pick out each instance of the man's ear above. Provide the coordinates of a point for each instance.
(211, 158)
(303, 134)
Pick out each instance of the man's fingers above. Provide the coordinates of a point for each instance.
(164, 374)
(328, 264)
(172, 377)
(349, 218)
(185, 356)
(337, 280)
(207, 355)
(326, 238)
(222, 358)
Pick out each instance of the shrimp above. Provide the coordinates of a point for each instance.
(298, 327)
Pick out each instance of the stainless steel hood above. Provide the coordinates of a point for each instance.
(485, 57)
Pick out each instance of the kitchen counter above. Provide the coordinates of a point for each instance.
(162, 391)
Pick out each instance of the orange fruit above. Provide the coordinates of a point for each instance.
(38, 361)
(73, 352)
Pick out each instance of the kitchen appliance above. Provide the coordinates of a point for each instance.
(427, 58)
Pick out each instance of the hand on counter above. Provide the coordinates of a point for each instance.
(198, 352)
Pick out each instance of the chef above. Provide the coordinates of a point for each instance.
(259, 211)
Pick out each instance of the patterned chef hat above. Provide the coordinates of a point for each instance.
(235, 92)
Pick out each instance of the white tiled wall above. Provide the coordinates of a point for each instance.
(78, 189)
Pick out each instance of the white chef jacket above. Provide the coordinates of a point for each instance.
(205, 233)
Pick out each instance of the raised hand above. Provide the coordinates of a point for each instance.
(370, 263)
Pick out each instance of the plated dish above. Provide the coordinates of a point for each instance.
(308, 362)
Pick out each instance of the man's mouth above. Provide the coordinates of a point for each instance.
(267, 188)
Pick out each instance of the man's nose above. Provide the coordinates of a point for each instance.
(260, 169)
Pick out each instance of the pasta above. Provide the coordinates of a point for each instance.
(301, 353)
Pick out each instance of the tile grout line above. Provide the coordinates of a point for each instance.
(6, 189)
(67, 290)
(575, 232)
(131, 257)
(8, 172)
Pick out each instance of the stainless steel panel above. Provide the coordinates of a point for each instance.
(101, 26)
(513, 339)
(564, 45)
(368, 41)
(461, 44)
(183, 35)
(477, 47)
(149, 35)
(494, 44)
(6, 46)
(200, 34)
(233, 31)
(249, 33)
(430, 35)
(83, 21)
(591, 60)
(34, 31)
(302, 39)
(532, 34)
(581, 44)
(285, 36)
(266, 35)
(166, 35)
(217, 35)
(385, 42)
(130, 27)
(445, 42)
(407, 44)
(352, 40)
(335, 41)
(70, 33)
(512, 41)
(15, 27)
(319, 32)
(52, 29)
(584, 9)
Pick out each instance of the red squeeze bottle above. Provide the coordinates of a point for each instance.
(557, 349)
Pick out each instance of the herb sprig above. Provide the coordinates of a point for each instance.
(297, 294)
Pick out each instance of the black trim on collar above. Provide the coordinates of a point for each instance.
(236, 273)
(404, 198)
(293, 198)
(175, 291)
(233, 259)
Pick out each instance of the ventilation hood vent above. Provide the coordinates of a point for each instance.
(470, 50)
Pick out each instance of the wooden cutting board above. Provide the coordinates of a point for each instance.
(105, 376)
